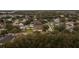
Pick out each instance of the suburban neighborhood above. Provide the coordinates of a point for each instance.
(16, 23)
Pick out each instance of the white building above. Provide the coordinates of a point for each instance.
(21, 26)
(61, 15)
(9, 19)
(16, 22)
(69, 26)
(57, 20)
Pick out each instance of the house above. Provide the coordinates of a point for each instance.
(26, 17)
(16, 22)
(56, 21)
(21, 26)
(38, 26)
(1, 25)
(61, 15)
(10, 19)
(69, 26)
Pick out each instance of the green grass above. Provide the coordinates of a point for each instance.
(29, 31)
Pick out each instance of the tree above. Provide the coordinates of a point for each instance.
(12, 29)
(45, 27)
(3, 32)
(15, 30)
(76, 28)
(28, 21)
(60, 28)
(39, 40)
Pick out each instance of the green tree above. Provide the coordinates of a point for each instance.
(45, 27)
(3, 32)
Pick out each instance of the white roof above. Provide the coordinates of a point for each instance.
(21, 24)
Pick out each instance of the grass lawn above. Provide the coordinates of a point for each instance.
(29, 30)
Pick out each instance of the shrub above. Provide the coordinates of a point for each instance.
(46, 40)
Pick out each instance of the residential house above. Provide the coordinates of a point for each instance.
(10, 19)
(29, 27)
(21, 26)
(61, 15)
(56, 21)
(1, 25)
(38, 26)
(16, 22)
(69, 26)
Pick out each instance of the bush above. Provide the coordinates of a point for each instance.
(45, 40)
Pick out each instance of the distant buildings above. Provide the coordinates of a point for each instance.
(36, 24)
